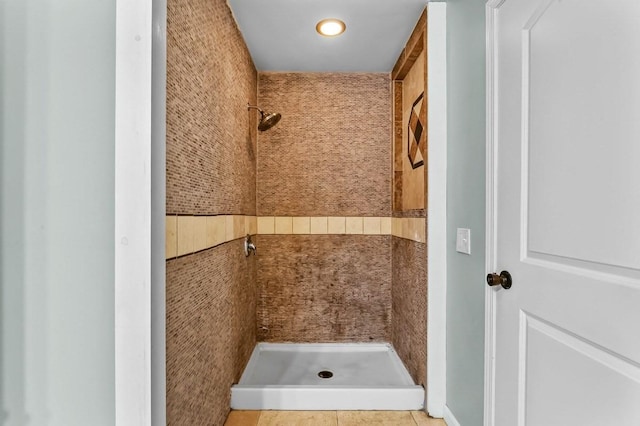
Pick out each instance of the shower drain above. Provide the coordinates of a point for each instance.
(324, 374)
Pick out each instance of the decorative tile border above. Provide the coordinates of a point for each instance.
(410, 228)
(324, 225)
(191, 234)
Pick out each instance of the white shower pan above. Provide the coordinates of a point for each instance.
(327, 376)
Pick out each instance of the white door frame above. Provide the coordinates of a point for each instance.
(437, 210)
(158, 213)
(138, 25)
(133, 244)
(491, 216)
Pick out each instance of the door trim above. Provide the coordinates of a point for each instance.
(133, 243)
(158, 213)
(437, 210)
(491, 10)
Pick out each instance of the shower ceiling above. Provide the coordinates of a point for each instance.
(281, 34)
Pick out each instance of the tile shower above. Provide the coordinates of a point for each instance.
(355, 273)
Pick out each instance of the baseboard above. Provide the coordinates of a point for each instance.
(449, 418)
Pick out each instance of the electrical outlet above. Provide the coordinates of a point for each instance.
(463, 241)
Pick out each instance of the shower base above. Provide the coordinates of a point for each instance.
(328, 376)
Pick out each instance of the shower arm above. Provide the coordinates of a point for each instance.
(267, 120)
(249, 106)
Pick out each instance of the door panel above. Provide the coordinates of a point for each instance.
(583, 91)
(567, 100)
(568, 380)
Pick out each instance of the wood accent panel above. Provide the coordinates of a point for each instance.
(414, 180)
(397, 145)
(409, 188)
(415, 45)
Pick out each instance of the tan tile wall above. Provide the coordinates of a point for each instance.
(324, 288)
(409, 305)
(211, 158)
(332, 418)
(211, 137)
(409, 252)
(211, 331)
(326, 170)
(330, 155)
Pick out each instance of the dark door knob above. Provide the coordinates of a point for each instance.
(504, 279)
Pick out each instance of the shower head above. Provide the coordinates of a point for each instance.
(267, 120)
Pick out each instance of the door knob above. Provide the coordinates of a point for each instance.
(504, 279)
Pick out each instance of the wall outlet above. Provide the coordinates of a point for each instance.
(463, 240)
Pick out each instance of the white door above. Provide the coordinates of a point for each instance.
(565, 85)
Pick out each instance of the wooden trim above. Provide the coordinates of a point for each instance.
(414, 47)
(425, 154)
(397, 146)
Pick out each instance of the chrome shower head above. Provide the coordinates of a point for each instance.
(267, 120)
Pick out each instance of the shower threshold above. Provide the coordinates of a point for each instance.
(326, 376)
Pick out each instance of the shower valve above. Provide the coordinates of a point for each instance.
(249, 247)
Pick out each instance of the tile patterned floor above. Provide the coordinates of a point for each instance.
(331, 418)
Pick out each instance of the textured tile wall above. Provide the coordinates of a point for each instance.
(331, 153)
(409, 252)
(324, 288)
(409, 305)
(329, 156)
(211, 137)
(211, 308)
(211, 157)
(323, 168)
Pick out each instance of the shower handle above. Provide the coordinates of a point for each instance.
(249, 247)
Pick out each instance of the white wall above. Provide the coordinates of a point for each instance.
(57, 91)
(465, 208)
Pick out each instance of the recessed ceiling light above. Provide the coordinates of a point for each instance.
(330, 27)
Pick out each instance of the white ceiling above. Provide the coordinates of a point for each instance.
(281, 34)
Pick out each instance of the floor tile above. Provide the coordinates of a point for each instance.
(422, 419)
(298, 418)
(243, 418)
(356, 418)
